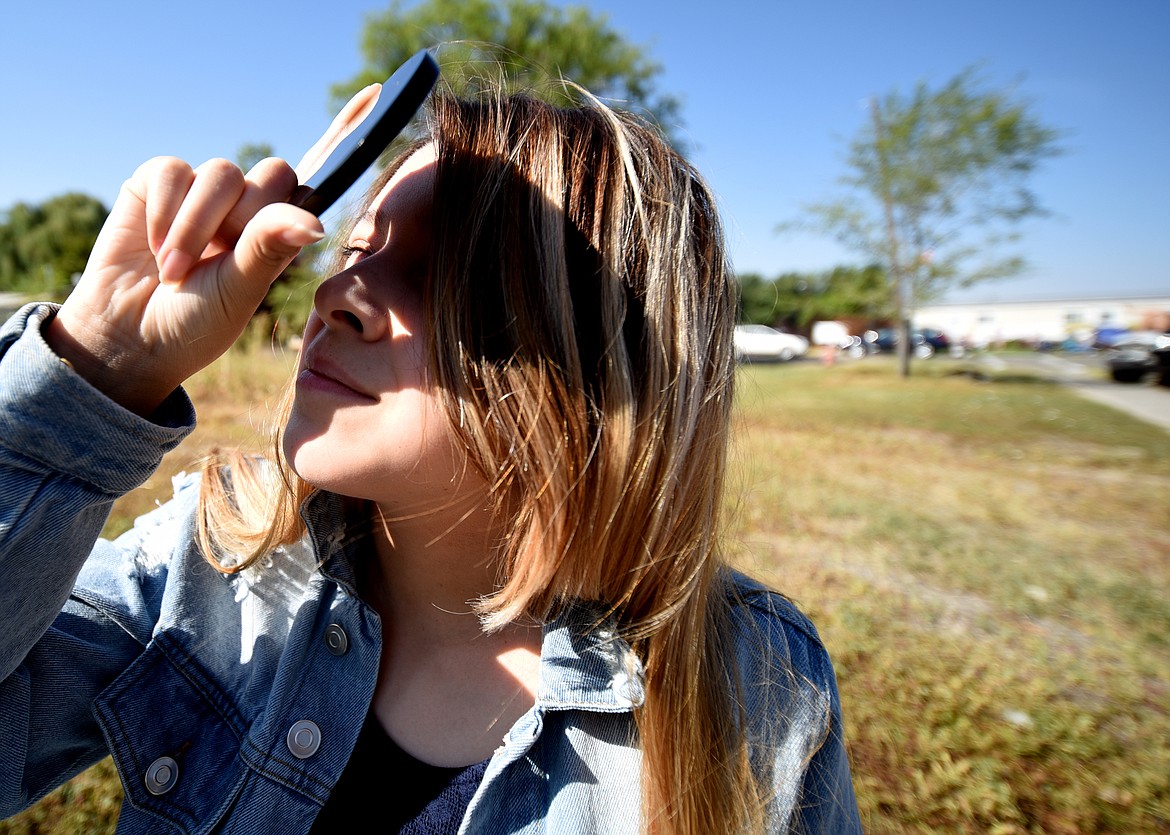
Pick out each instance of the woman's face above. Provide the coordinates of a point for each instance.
(365, 423)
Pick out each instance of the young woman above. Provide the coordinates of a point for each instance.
(479, 587)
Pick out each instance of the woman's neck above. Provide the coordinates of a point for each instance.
(430, 569)
(447, 689)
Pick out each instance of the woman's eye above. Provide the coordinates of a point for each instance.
(355, 252)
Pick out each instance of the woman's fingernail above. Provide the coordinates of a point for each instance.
(299, 235)
(175, 267)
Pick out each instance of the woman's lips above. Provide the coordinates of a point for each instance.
(322, 376)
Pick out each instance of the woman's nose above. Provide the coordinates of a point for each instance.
(345, 302)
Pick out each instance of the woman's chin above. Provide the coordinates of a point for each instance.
(309, 459)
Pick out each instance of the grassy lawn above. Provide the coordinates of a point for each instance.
(988, 562)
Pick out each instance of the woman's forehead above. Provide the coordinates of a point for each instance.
(408, 193)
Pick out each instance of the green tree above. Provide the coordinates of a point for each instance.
(42, 247)
(521, 43)
(937, 186)
(855, 292)
(796, 300)
(757, 299)
(251, 153)
(286, 307)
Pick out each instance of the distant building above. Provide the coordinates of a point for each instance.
(1044, 320)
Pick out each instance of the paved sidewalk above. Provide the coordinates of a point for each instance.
(1148, 402)
(1144, 401)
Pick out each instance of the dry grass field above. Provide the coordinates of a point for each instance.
(988, 563)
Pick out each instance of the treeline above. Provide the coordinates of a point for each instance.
(43, 246)
(793, 301)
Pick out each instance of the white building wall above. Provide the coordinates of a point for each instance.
(1049, 320)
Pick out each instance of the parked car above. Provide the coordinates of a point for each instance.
(830, 335)
(1109, 337)
(1136, 355)
(854, 347)
(1162, 358)
(760, 342)
(926, 341)
(935, 338)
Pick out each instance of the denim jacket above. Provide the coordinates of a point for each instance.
(231, 703)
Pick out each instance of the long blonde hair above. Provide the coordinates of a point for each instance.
(581, 315)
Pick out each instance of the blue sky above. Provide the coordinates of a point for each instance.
(772, 90)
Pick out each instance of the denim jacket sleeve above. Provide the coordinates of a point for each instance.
(794, 712)
(66, 453)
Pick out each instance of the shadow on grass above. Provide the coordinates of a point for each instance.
(1006, 378)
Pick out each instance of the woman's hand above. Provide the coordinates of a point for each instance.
(183, 261)
(180, 266)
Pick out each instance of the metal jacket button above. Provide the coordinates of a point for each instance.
(161, 776)
(336, 639)
(304, 738)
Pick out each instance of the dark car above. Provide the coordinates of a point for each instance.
(926, 341)
(1139, 354)
(1162, 358)
(936, 338)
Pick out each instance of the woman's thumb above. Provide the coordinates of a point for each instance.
(270, 241)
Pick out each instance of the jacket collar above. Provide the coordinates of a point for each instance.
(584, 662)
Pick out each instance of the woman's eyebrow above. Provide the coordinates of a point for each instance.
(370, 216)
(403, 195)
(368, 223)
(381, 215)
